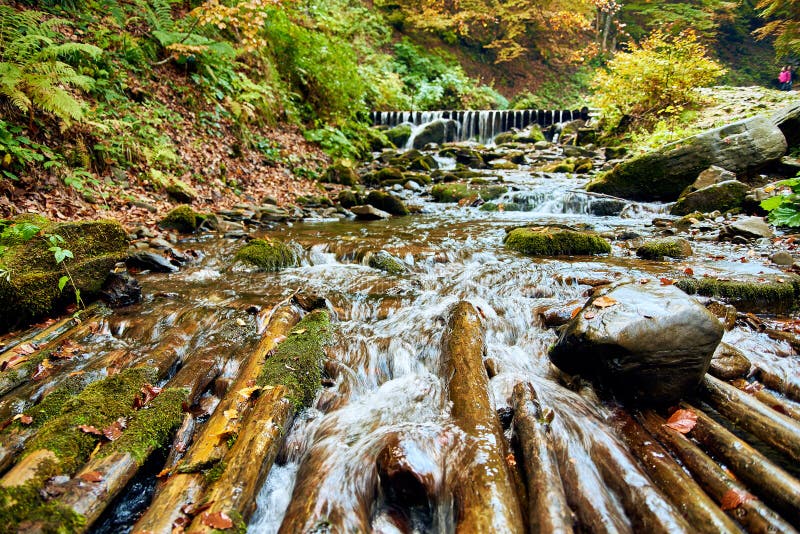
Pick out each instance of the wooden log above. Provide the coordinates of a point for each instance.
(693, 503)
(547, 506)
(755, 389)
(180, 444)
(249, 461)
(775, 382)
(779, 489)
(775, 429)
(485, 498)
(752, 514)
(186, 485)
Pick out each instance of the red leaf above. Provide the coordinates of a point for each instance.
(90, 430)
(682, 420)
(26, 419)
(735, 498)
(149, 392)
(688, 271)
(91, 476)
(218, 520)
(114, 430)
(666, 281)
(575, 312)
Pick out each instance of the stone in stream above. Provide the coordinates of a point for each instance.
(386, 202)
(669, 247)
(267, 255)
(763, 293)
(748, 227)
(369, 213)
(150, 261)
(121, 289)
(399, 135)
(185, 220)
(32, 288)
(606, 207)
(383, 261)
(549, 241)
(438, 131)
(722, 196)
(728, 363)
(742, 147)
(649, 342)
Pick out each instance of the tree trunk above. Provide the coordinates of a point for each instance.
(773, 381)
(779, 405)
(548, 510)
(779, 431)
(693, 503)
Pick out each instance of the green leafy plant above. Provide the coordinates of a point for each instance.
(784, 210)
(60, 254)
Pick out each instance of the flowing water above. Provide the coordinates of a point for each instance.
(385, 391)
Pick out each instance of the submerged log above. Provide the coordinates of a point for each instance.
(751, 513)
(775, 429)
(249, 461)
(548, 510)
(696, 507)
(779, 405)
(185, 486)
(485, 498)
(775, 382)
(770, 482)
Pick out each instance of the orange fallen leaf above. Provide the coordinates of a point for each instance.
(114, 431)
(219, 520)
(682, 420)
(164, 473)
(589, 315)
(604, 302)
(24, 419)
(510, 460)
(735, 498)
(666, 281)
(575, 312)
(90, 430)
(688, 271)
(91, 476)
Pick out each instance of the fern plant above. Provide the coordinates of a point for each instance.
(34, 68)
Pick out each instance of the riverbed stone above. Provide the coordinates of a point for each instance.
(669, 247)
(722, 196)
(742, 147)
(383, 261)
(399, 135)
(728, 363)
(712, 175)
(747, 227)
(32, 290)
(267, 254)
(552, 241)
(782, 258)
(648, 342)
(438, 132)
(758, 294)
(369, 213)
(387, 202)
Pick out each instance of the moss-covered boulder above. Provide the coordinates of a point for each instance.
(563, 167)
(387, 202)
(549, 241)
(723, 196)
(383, 261)
(182, 219)
(342, 172)
(297, 362)
(506, 206)
(267, 254)
(670, 247)
(532, 135)
(399, 135)
(388, 174)
(348, 199)
(765, 294)
(742, 147)
(450, 192)
(31, 288)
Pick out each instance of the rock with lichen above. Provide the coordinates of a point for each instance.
(387, 202)
(668, 247)
(267, 255)
(551, 241)
(761, 294)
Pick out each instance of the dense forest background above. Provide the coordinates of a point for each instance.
(111, 100)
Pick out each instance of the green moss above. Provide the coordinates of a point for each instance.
(399, 135)
(452, 192)
(182, 219)
(555, 242)
(269, 255)
(348, 199)
(492, 192)
(670, 247)
(489, 206)
(342, 172)
(50, 406)
(215, 473)
(386, 174)
(151, 427)
(724, 196)
(386, 202)
(384, 261)
(99, 405)
(22, 509)
(559, 167)
(749, 296)
(297, 362)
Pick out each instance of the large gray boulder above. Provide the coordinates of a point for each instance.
(723, 196)
(438, 132)
(649, 342)
(742, 148)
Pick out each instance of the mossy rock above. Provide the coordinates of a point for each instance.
(313, 201)
(32, 290)
(387, 174)
(348, 199)
(563, 167)
(342, 172)
(399, 135)
(492, 192)
(555, 242)
(297, 361)
(182, 219)
(769, 294)
(503, 138)
(723, 196)
(451, 192)
(386, 202)
(583, 165)
(533, 135)
(267, 255)
(383, 261)
(670, 247)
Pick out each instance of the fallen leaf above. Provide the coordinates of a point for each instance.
(192, 509)
(25, 348)
(149, 393)
(575, 312)
(510, 460)
(735, 498)
(299, 331)
(666, 281)
(91, 476)
(248, 392)
(688, 271)
(219, 520)
(114, 431)
(589, 315)
(682, 420)
(240, 321)
(42, 370)
(22, 418)
(164, 473)
(90, 430)
(604, 302)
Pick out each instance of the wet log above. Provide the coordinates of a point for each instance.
(755, 516)
(249, 461)
(777, 383)
(755, 389)
(775, 429)
(180, 444)
(485, 498)
(548, 510)
(693, 503)
(779, 489)
(185, 486)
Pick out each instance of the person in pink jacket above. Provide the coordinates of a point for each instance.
(785, 78)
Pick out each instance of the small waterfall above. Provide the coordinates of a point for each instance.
(477, 125)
